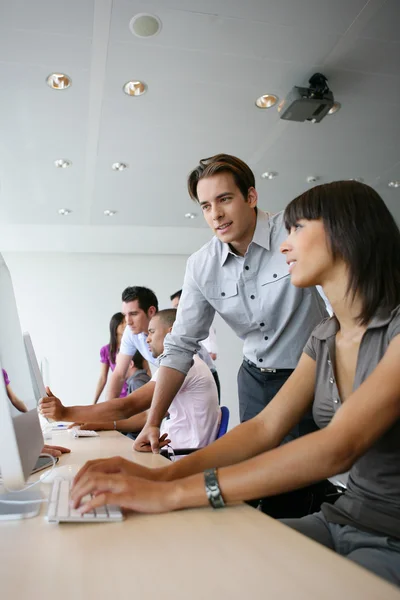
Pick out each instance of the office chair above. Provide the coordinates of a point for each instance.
(222, 429)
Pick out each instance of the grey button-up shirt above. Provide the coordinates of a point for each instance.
(253, 294)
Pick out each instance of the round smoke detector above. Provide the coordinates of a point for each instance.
(144, 25)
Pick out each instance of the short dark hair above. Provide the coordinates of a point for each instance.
(145, 297)
(167, 316)
(138, 360)
(222, 163)
(362, 232)
(177, 294)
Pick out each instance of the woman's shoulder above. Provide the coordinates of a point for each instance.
(105, 351)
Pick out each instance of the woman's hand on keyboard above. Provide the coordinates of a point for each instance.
(128, 492)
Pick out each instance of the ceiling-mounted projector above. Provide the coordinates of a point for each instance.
(308, 104)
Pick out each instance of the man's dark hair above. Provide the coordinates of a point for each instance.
(222, 163)
(360, 230)
(145, 297)
(138, 360)
(167, 316)
(177, 294)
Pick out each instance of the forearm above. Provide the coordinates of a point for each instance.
(169, 381)
(292, 466)
(113, 410)
(19, 405)
(115, 385)
(99, 389)
(135, 423)
(239, 444)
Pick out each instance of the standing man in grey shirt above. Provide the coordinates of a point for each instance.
(242, 275)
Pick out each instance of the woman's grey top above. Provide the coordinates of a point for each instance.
(372, 499)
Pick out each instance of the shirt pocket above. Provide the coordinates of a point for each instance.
(226, 300)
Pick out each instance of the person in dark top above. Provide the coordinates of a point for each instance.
(343, 237)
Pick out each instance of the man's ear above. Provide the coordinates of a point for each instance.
(252, 197)
(151, 312)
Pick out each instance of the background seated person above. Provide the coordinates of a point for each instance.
(15, 401)
(193, 415)
(343, 237)
(137, 374)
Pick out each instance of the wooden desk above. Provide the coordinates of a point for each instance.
(235, 553)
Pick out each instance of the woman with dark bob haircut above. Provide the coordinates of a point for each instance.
(340, 236)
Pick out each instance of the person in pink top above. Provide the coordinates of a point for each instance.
(108, 355)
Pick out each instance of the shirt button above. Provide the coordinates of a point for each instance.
(247, 267)
(336, 401)
(329, 362)
(252, 296)
(262, 324)
(260, 360)
(331, 380)
(222, 293)
(266, 337)
(275, 275)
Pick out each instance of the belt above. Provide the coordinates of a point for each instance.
(266, 370)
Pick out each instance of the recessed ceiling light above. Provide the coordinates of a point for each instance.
(58, 81)
(312, 178)
(336, 106)
(269, 175)
(135, 88)
(119, 166)
(144, 25)
(359, 179)
(394, 184)
(190, 215)
(62, 163)
(110, 213)
(266, 101)
(64, 211)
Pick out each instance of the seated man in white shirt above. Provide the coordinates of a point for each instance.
(193, 415)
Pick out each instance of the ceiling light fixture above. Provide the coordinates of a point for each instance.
(64, 212)
(144, 25)
(336, 106)
(58, 81)
(135, 88)
(110, 213)
(190, 215)
(269, 175)
(119, 166)
(312, 178)
(62, 163)
(394, 184)
(266, 101)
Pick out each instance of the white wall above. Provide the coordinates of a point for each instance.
(65, 301)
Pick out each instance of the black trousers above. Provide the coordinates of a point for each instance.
(256, 390)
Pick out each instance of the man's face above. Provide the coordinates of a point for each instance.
(155, 338)
(226, 211)
(175, 302)
(136, 318)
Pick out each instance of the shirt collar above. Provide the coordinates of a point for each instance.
(261, 236)
(330, 327)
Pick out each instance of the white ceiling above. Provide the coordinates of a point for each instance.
(204, 70)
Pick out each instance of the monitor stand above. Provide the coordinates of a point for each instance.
(10, 512)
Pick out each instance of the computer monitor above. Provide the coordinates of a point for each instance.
(21, 439)
(34, 369)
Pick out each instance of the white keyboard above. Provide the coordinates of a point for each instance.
(60, 511)
(76, 432)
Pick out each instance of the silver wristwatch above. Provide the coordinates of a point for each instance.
(212, 488)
